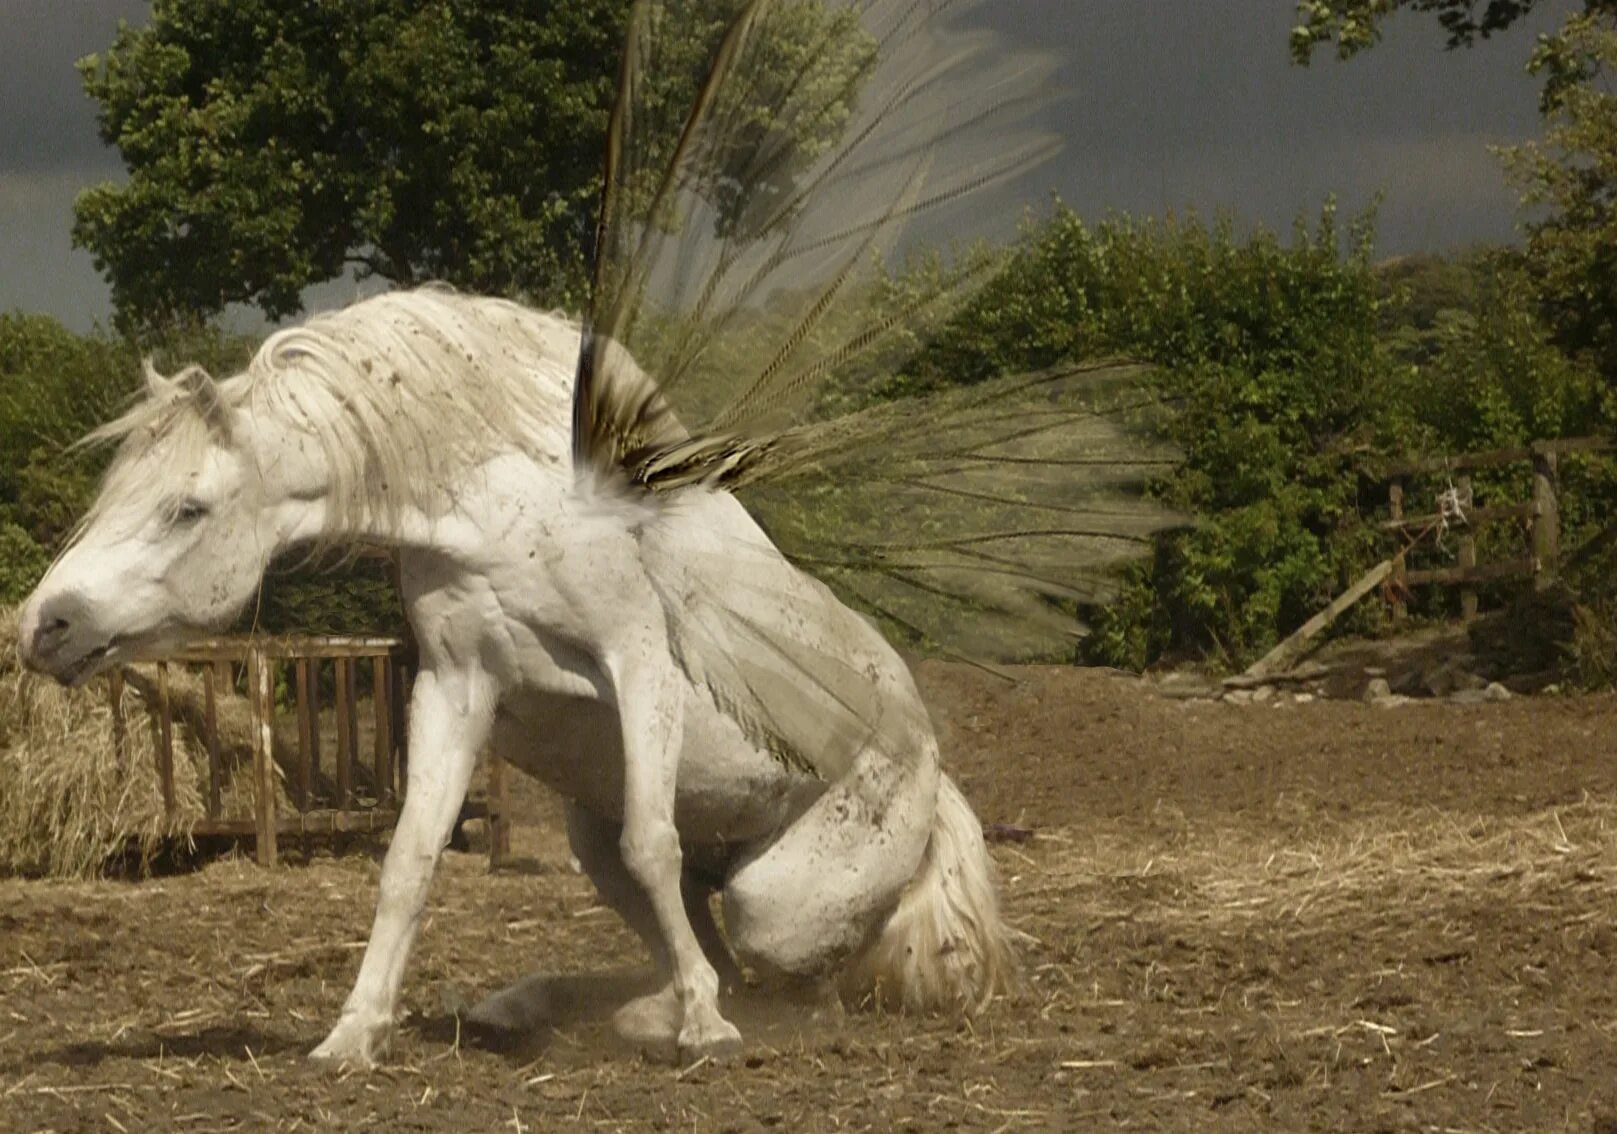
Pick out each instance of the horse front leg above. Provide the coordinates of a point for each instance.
(651, 705)
(450, 719)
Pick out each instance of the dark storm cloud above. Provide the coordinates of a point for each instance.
(49, 151)
(47, 122)
(1171, 105)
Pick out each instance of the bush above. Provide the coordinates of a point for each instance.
(55, 386)
(1270, 351)
(1489, 375)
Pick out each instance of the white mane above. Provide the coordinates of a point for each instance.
(401, 393)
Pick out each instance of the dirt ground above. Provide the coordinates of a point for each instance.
(1326, 916)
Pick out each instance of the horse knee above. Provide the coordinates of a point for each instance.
(782, 929)
(651, 853)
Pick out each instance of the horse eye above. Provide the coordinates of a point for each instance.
(189, 511)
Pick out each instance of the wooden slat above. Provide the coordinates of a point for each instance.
(401, 723)
(210, 729)
(165, 742)
(345, 735)
(1491, 459)
(382, 708)
(1475, 517)
(314, 729)
(1557, 446)
(1293, 647)
(306, 725)
(261, 693)
(1494, 458)
(120, 727)
(1467, 557)
(278, 649)
(1399, 573)
(1488, 572)
(323, 822)
(1546, 520)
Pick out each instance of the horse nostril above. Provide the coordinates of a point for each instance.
(51, 630)
(49, 633)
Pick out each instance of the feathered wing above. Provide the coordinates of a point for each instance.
(761, 171)
(768, 163)
(976, 519)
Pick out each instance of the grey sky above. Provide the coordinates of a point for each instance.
(1176, 104)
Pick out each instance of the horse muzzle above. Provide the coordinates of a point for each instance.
(59, 636)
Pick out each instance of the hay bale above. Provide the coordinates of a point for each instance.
(233, 722)
(72, 800)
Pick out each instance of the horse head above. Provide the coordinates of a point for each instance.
(184, 525)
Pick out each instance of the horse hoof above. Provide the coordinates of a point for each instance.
(353, 1044)
(720, 1039)
(649, 1021)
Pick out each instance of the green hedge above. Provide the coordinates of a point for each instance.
(55, 386)
(1297, 364)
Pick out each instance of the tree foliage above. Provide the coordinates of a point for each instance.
(271, 146)
(1571, 175)
(1269, 349)
(1296, 366)
(1353, 25)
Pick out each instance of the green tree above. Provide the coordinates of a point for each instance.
(1571, 174)
(1353, 25)
(1267, 347)
(271, 146)
(1568, 179)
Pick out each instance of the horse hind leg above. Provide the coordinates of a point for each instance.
(809, 899)
(944, 947)
(652, 1020)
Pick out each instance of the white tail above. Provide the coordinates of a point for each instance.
(944, 947)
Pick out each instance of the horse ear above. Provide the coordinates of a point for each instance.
(156, 384)
(203, 391)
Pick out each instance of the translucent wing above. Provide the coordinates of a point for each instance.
(976, 519)
(769, 162)
(761, 172)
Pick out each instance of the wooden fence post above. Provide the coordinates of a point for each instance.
(1546, 519)
(210, 726)
(165, 742)
(261, 686)
(1468, 547)
(345, 731)
(308, 727)
(382, 713)
(120, 726)
(1399, 584)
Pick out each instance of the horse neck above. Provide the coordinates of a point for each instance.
(338, 512)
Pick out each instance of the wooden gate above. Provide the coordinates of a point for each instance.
(1540, 516)
(359, 791)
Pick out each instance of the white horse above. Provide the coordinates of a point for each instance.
(439, 425)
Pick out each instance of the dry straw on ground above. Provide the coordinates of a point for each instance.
(70, 800)
(1310, 872)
